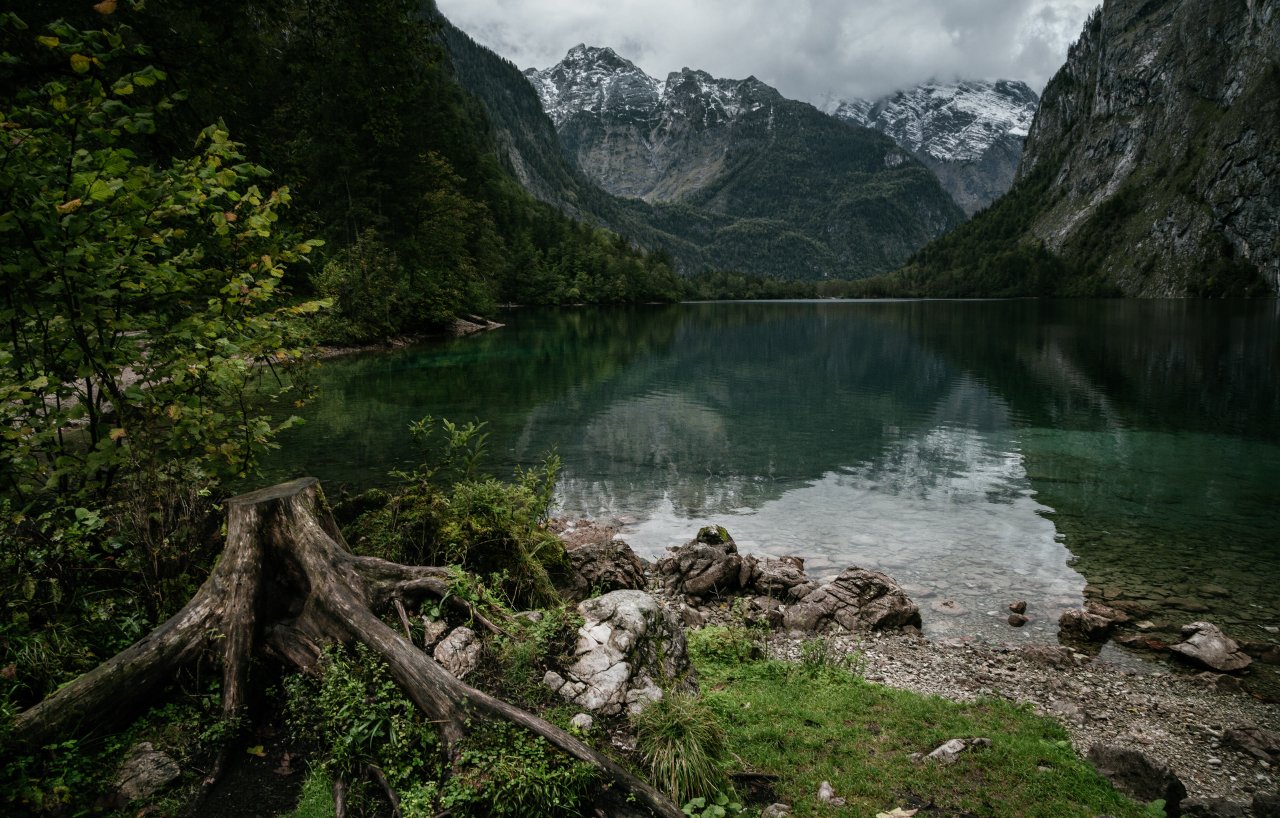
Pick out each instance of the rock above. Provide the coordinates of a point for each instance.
(763, 610)
(1133, 772)
(781, 578)
(709, 566)
(1266, 805)
(583, 722)
(828, 796)
(1019, 607)
(144, 772)
(1051, 655)
(1079, 626)
(1220, 682)
(949, 752)
(776, 811)
(433, 630)
(459, 652)
(603, 566)
(1263, 745)
(857, 600)
(1207, 645)
(1018, 620)
(1112, 614)
(1212, 808)
(947, 606)
(1265, 652)
(629, 648)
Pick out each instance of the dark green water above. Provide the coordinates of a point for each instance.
(978, 451)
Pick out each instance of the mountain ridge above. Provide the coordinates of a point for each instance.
(970, 132)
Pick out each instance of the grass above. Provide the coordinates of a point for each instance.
(683, 744)
(812, 724)
(316, 799)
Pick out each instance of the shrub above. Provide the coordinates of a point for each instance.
(506, 771)
(683, 745)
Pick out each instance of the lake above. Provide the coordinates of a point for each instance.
(978, 451)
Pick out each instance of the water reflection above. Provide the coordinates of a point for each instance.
(970, 449)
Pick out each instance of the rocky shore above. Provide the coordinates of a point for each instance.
(1153, 727)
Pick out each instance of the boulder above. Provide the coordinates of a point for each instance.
(1138, 775)
(708, 566)
(1207, 645)
(1017, 620)
(1213, 808)
(1079, 626)
(629, 649)
(857, 600)
(1266, 805)
(459, 652)
(602, 566)
(1263, 745)
(144, 772)
(780, 578)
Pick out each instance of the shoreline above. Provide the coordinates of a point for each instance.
(1174, 715)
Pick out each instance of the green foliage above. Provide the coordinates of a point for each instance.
(357, 715)
(719, 644)
(503, 770)
(683, 746)
(819, 655)
(138, 295)
(717, 806)
(522, 660)
(489, 527)
(809, 727)
(316, 799)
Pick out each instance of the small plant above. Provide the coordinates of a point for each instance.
(504, 771)
(821, 655)
(718, 807)
(720, 644)
(683, 745)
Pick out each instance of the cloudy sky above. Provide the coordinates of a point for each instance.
(808, 49)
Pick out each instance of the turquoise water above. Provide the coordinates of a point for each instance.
(980, 452)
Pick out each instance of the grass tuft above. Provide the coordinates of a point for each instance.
(683, 743)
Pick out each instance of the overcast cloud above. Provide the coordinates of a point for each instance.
(808, 49)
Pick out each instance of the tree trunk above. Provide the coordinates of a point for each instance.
(287, 580)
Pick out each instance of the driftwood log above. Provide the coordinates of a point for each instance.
(287, 582)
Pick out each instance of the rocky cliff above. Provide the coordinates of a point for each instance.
(1161, 135)
(968, 133)
(758, 179)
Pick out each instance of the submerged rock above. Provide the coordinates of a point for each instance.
(1207, 645)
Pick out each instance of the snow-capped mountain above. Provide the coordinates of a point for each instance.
(759, 175)
(970, 133)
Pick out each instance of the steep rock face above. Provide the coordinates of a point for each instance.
(969, 134)
(1162, 134)
(773, 181)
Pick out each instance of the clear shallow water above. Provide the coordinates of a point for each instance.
(979, 452)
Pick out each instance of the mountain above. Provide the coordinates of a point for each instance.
(763, 183)
(969, 133)
(1152, 167)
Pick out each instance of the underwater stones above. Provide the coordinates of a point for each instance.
(947, 606)
(1207, 645)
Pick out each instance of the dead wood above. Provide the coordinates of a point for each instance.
(320, 594)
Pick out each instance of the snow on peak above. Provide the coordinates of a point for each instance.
(953, 122)
(599, 81)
